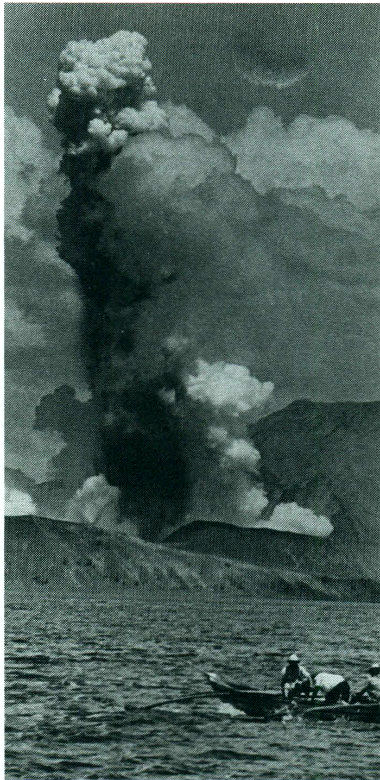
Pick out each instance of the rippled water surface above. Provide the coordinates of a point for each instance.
(79, 671)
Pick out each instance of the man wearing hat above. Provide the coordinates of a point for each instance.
(371, 691)
(295, 678)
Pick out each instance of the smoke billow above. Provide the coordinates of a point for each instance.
(299, 520)
(197, 289)
(103, 94)
(227, 386)
(95, 503)
(227, 392)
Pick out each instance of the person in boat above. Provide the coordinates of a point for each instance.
(334, 687)
(295, 679)
(371, 690)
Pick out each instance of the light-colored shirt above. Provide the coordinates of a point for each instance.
(373, 685)
(325, 681)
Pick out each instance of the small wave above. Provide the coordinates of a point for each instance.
(227, 753)
(20, 640)
(30, 659)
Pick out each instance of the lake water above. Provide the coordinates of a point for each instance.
(78, 672)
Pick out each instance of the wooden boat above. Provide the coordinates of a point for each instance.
(252, 701)
(365, 712)
(270, 705)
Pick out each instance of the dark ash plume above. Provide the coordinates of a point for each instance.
(103, 96)
(156, 227)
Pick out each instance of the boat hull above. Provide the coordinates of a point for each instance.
(269, 705)
(367, 713)
(255, 703)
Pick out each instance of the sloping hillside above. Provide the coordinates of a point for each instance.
(325, 559)
(322, 456)
(325, 457)
(57, 559)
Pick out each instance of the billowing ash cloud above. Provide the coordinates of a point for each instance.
(18, 503)
(298, 520)
(42, 304)
(199, 291)
(27, 163)
(329, 153)
(103, 94)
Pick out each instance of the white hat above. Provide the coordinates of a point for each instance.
(294, 657)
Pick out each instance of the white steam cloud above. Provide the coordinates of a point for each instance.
(228, 386)
(241, 454)
(96, 503)
(227, 392)
(298, 520)
(18, 503)
(253, 502)
(110, 79)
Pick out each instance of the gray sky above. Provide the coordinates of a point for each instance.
(193, 46)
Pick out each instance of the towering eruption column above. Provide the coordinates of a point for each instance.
(172, 403)
(104, 95)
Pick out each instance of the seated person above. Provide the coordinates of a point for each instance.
(295, 679)
(371, 690)
(334, 687)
